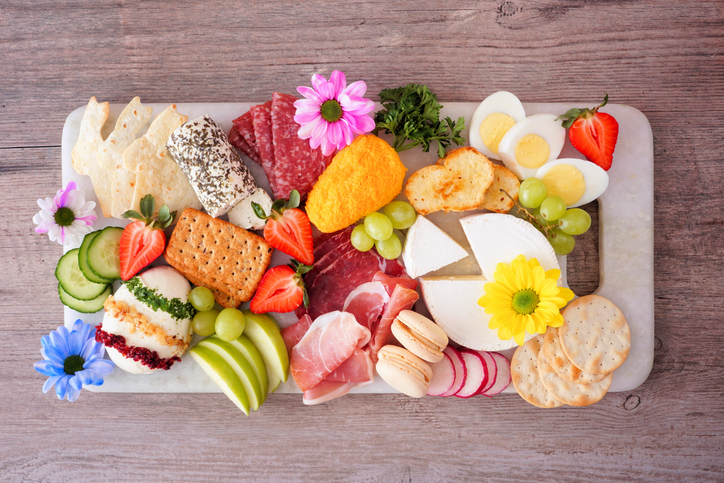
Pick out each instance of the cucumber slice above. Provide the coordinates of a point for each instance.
(72, 279)
(84, 306)
(83, 259)
(103, 256)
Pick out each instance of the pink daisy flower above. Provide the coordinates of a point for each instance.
(333, 112)
(66, 217)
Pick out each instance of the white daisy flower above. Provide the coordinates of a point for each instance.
(67, 217)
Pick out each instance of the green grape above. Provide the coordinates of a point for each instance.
(378, 226)
(552, 208)
(202, 299)
(562, 243)
(360, 239)
(230, 324)
(401, 214)
(389, 248)
(399, 235)
(532, 192)
(575, 222)
(204, 323)
(541, 220)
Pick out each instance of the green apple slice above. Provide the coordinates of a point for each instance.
(239, 365)
(251, 353)
(264, 333)
(223, 375)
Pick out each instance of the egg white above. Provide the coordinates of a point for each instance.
(545, 126)
(594, 176)
(503, 102)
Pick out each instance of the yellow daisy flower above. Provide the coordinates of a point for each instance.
(524, 298)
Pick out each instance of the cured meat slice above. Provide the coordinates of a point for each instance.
(326, 242)
(391, 282)
(326, 391)
(238, 141)
(330, 340)
(339, 271)
(245, 126)
(402, 298)
(366, 303)
(294, 333)
(357, 369)
(296, 164)
(261, 120)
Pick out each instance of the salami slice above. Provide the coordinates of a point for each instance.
(262, 121)
(245, 126)
(238, 141)
(296, 164)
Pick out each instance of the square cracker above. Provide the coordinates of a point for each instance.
(110, 155)
(156, 172)
(218, 253)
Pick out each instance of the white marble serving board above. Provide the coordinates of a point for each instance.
(626, 240)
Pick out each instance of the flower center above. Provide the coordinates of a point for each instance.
(525, 302)
(64, 216)
(73, 364)
(331, 111)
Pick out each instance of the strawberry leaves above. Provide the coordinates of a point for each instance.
(148, 206)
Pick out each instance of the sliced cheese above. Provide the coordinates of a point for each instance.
(428, 248)
(496, 238)
(453, 303)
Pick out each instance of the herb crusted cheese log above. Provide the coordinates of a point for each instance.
(216, 172)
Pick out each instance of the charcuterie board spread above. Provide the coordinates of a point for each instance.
(332, 244)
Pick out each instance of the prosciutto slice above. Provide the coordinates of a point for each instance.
(402, 298)
(326, 391)
(358, 368)
(391, 282)
(366, 303)
(294, 333)
(330, 340)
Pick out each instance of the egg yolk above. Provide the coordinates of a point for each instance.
(493, 128)
(532, 151)
(565, 181)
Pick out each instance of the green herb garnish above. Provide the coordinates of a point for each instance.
(412, 115)
(174, 307)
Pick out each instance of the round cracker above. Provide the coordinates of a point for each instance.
(563, 366)
(569, 392)
(595, 336)
(524, 372)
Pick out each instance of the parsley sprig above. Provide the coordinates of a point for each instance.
(412, 115)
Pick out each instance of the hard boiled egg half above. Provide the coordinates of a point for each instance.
(492, 119)
(576, 181)
(531, 143)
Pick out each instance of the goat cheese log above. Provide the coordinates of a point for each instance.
(216, 172)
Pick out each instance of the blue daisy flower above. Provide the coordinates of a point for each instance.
(72, 359)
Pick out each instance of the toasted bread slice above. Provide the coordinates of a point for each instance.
(503, 180)
(457, 183)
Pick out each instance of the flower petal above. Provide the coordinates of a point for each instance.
(356, 89)
(49, 368)
(61, 386)
(73, 393)
(317, 81)
(310, 94)
(357, 106)
(365, 124)
(339, 81)
(102, 367)
(50, 382)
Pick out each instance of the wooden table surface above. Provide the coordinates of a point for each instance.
(665, 58)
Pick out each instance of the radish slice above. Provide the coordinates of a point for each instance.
(492, 367)
(461, 371)
(502, 380)
(477, 373)
(443, 376)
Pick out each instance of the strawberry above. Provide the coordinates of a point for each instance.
(288, 229)
(593, 133)
(281, 289)
(144, 240)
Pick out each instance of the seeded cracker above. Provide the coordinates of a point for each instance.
(218, 254)
(569, 392)
(213, 167)
(524, 372)
(560, 363)
(595, 335)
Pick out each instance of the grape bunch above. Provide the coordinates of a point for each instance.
(382, 230)
(558, 224)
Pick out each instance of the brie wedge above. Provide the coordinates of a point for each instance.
(428, 248)
(453, 303)
(496, 238)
